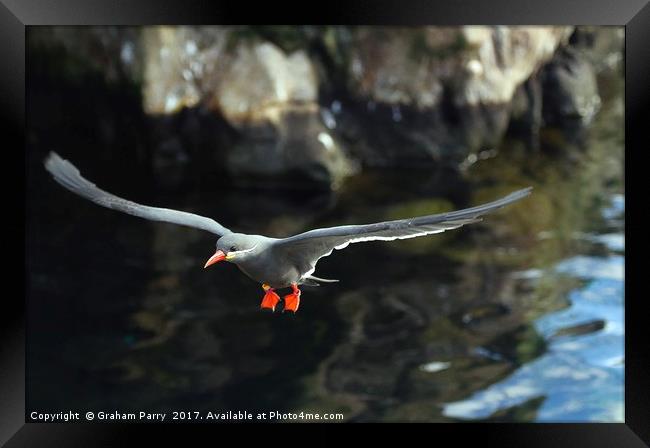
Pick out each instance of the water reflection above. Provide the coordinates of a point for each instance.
(585, 345)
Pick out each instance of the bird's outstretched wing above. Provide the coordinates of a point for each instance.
(69, 177)
(310, 246)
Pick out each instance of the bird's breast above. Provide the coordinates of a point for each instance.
(270, 271)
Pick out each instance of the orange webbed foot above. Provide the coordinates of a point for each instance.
(292, 301)
(270, 299)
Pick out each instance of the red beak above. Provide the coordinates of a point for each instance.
(216, 258)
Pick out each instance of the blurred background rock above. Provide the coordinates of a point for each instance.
(306, 107)
(276, 130)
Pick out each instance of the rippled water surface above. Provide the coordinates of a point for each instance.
(580, 376)
(517, 318)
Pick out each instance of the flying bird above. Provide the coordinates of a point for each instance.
(277, 262)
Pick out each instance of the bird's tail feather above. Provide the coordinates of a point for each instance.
(323, 280)
(315, 281)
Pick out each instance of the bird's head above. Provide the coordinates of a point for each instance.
(233, 247)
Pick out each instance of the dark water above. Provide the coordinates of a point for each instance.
(580, 375)
(517, 318)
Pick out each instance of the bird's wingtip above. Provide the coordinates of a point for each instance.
(51, 159)
(523, 192)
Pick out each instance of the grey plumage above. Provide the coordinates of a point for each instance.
(307, 248)
(285, 261)
(69, 177)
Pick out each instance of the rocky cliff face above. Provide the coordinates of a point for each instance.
(274, 105)
(269, 97)
(437, 95)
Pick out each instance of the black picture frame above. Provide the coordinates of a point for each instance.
(16, 15)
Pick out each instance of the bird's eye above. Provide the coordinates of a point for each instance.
(233, 249)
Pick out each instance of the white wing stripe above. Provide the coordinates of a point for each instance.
(388, 238)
